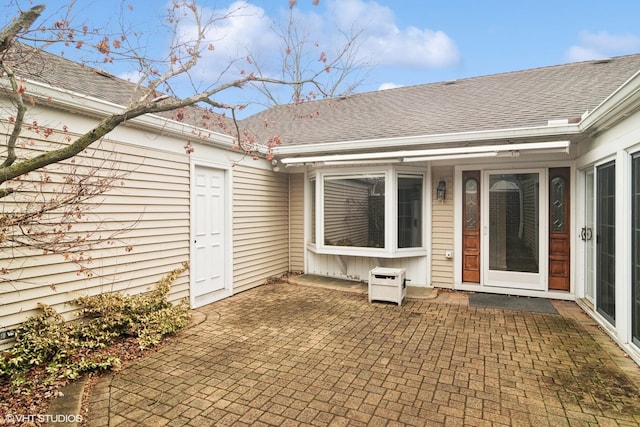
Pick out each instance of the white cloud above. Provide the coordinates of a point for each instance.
(247, 28)
(384, 43)
(241, 28)
(238, 31)
(602, 45)
(132, 76)
(244, 29)
(389, 85)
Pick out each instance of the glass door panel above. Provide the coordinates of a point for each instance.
(635, 260)
(514, 251)
(606, 241)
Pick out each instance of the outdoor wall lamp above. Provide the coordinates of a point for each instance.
(441, 191)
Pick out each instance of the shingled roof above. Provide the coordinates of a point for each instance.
(518, 99)
(59, 72)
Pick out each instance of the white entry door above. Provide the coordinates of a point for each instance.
(514, 214)
(209, 282)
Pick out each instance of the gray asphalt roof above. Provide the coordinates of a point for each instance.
(62, 73)
(501, 101)
(65, 74)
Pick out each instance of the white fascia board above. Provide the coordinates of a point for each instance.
(92, 106)
(621, 103)
(551, 132)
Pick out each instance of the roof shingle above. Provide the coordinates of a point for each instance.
(518, 99)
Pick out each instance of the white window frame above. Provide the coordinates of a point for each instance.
(391, 175)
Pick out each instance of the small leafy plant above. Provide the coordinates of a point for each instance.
(67, 349)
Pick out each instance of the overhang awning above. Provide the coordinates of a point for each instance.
(405, 156)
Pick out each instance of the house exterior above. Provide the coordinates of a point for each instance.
(223, 212)
(523, 183)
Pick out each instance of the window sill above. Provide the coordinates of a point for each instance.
(367, 252)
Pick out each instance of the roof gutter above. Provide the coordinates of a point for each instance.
(88, 105)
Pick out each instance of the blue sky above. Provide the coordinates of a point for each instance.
(408, 42)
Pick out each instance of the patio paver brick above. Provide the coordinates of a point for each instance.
(287, 354)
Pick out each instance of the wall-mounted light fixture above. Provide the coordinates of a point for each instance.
(441, 191)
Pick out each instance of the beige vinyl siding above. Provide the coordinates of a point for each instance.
(147, 214)
(260, 226)
(296, 226)
(442, 229)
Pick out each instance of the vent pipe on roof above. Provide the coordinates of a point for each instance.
(561, 122)
(557, 122)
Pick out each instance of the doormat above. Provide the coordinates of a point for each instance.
(508, 302)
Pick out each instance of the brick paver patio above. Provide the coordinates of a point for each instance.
(294, 355)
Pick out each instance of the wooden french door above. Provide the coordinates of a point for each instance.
(559, 239)
(471, 227)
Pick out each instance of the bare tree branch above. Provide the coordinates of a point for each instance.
(153, 91)
(23, 22)
(16, 97)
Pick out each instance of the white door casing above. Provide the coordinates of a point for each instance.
(588, 236)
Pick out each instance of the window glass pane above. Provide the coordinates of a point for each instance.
(354, 211)
(312, 196)
(558, 208)
(471, 204)
(514, 222)
(410, 211)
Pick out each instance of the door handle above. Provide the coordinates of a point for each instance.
(586, 233)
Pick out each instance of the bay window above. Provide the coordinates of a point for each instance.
(372, 213)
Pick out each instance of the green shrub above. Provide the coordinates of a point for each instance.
(67, 349)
